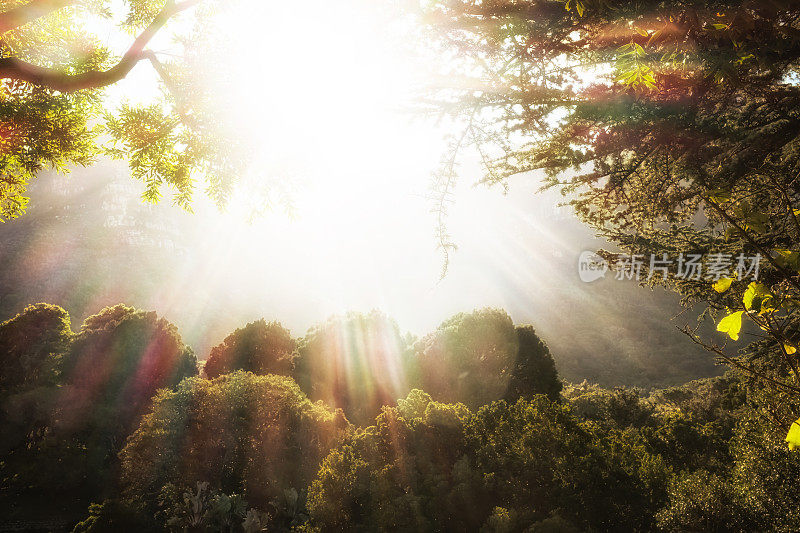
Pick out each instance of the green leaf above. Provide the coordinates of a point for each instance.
(757, 222)
(754, 218)
(723, 284)
(757, 298)
(731, 325)
(789, 258)
(719, 196)
(793, 437)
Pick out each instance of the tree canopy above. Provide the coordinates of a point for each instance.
(470, 357)
(70, 400)
(259, 347)
(31, 347)
(246, 434)
(534, 369)
(118, 360)
(357, 362)
(164, 450)
(57, 108)
(670, 126)
(437, 466)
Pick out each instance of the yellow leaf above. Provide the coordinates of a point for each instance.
(789, 348)
(793, 437)
(757, 298)
(731, 324)
(723, 284)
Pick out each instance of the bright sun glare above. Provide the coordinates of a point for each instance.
(320, 92)
(322, 96)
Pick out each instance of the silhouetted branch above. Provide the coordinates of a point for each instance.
(20, 15)
(13, 68)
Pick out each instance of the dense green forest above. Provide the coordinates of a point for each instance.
(669, 129)
(356, 426)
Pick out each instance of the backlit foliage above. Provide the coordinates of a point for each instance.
(31, 347)
(470, 358)
(57, 109)
(671, 127)
(246, 452)
(119, 358)
(69, 401)
(245, 434)
(356, 362)
(259, 347)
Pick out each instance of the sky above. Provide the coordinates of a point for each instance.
(324, 93)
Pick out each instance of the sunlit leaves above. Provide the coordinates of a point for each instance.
(261, 431)
(793, 436)
(731, 325)
(723, 284)
(141, 12)
(758, 299)
(577, 5)
(632, 68)
(40, 129)
(12, 190)
(154, 144)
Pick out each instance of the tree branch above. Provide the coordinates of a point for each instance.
(171, 87)
(20, 15)
(733, 362)
(13, 68)
(789, 276)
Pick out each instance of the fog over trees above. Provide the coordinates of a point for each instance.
(116, 248)
(242, 291)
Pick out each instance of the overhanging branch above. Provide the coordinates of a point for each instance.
(20, 15)
(13, 68)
